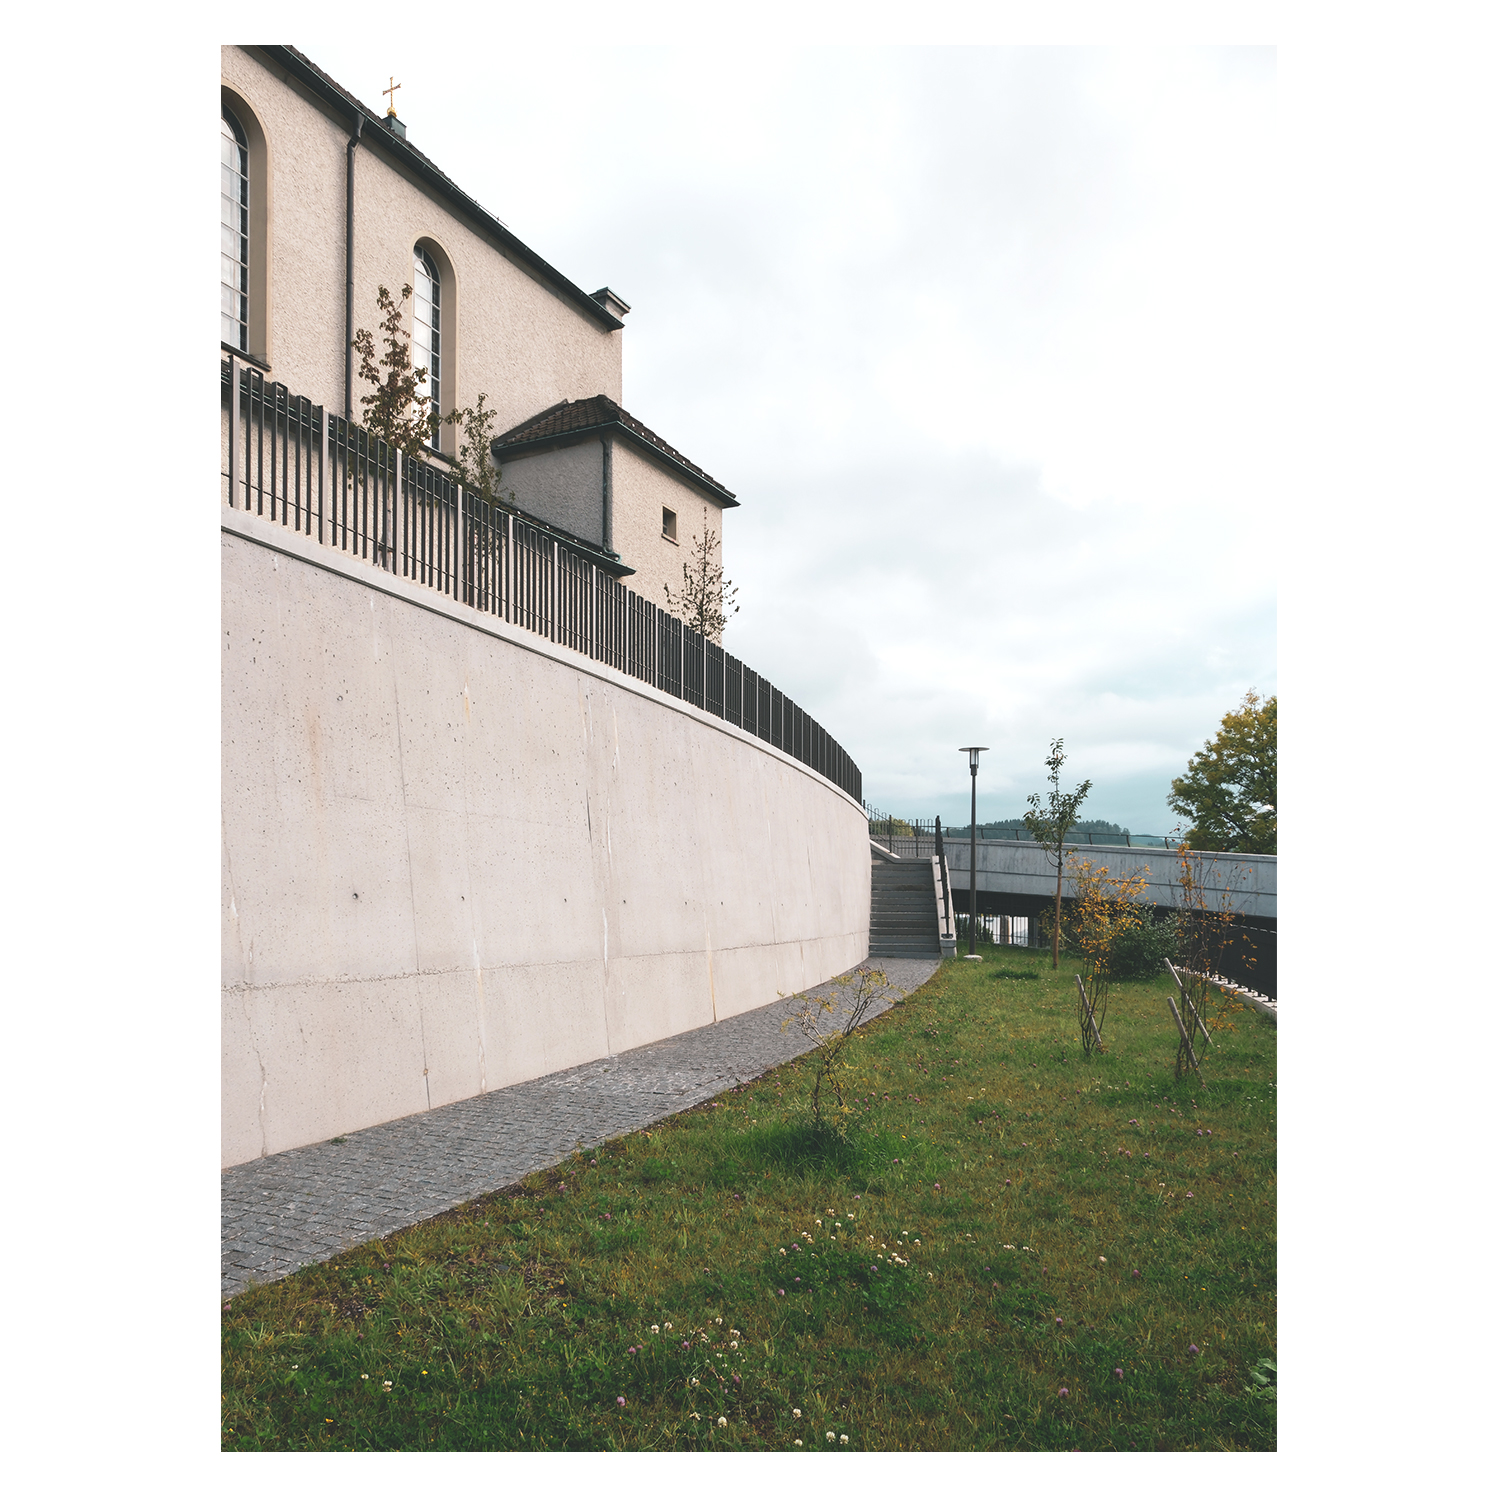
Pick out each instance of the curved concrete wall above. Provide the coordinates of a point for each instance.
(456, 856)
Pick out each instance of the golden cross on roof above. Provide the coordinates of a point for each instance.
(391, 91)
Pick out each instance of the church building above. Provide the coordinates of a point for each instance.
(325, 200)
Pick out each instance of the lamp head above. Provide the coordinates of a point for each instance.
(972, 756)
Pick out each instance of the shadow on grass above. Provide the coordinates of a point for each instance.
(803, 1151)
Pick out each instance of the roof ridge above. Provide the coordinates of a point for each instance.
(606, 406)
(297, 63)
(532, 420)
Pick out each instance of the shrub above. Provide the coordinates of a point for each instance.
(1140, 952)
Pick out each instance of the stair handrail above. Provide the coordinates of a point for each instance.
(946, 890)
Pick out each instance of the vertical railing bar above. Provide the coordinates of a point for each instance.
(322, 468)
(257, 407)
(233, 433)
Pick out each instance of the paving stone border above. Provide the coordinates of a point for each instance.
(305, 1205)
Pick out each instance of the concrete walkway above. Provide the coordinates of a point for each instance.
(306, 1205)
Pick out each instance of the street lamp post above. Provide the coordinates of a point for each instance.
(972, 857)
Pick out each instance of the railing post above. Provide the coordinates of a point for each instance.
(234, 433)
(322, 467)
(507, 568)
(556, 592)
(388, 516)
(460, 553)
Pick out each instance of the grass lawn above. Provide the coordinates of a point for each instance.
(1014, 1250)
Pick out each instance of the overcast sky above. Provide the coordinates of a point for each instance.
(981, 339)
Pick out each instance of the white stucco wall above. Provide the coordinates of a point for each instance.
(456, 856)
(641, 491)
(504, 332)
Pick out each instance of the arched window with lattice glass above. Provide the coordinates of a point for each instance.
(235, 243)
(426, 349)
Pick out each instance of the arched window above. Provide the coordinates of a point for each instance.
(426, 352)
(235, 189)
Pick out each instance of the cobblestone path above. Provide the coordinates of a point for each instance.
(306, 1205)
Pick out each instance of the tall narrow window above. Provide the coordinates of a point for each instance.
(235, 189)
(427, 350)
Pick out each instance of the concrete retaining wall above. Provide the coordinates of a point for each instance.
(456, 856)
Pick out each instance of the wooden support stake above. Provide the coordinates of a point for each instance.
(1175, 1014)
(1196, 1019)
(1087, 1010)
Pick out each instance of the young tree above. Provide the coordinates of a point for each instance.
(829, 1108)
(395, 410)
(475, 467)
(1107, 910)
(1229, 790)
(706, 599)
(1049, 824)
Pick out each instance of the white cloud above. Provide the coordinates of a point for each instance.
(986, 342)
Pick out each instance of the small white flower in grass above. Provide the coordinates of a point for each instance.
(363, 1375)
(1101, 1259)
(696, 1383)
(668, 1326)
(655, 1330)
(694, 1416)
(719, 1319)
(722, 1420)
(733, 1344)
(830, 1436)
(795, 1443)
(388, 1384)
(843, 1439)
(796, 1414)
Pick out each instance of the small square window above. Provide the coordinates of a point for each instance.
(668, 524)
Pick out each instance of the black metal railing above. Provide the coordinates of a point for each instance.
(903, 836)
(1001, 930)
(296, 465)
(1237, 950)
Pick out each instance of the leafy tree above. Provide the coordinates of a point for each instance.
(706, 599)
(1048, 824)
(395, 410)
(474, 466)
(1229, 788)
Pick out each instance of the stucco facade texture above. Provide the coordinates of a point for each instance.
(641, 491)
(504, 332)
(563, 487)
(457, 857)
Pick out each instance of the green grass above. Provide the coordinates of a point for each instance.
(983, 1151)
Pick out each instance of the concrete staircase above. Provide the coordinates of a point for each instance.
(902, 917)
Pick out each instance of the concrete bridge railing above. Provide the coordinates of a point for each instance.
(1020, 875)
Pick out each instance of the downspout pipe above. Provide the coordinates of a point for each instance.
(348, 302)
(607, 442)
